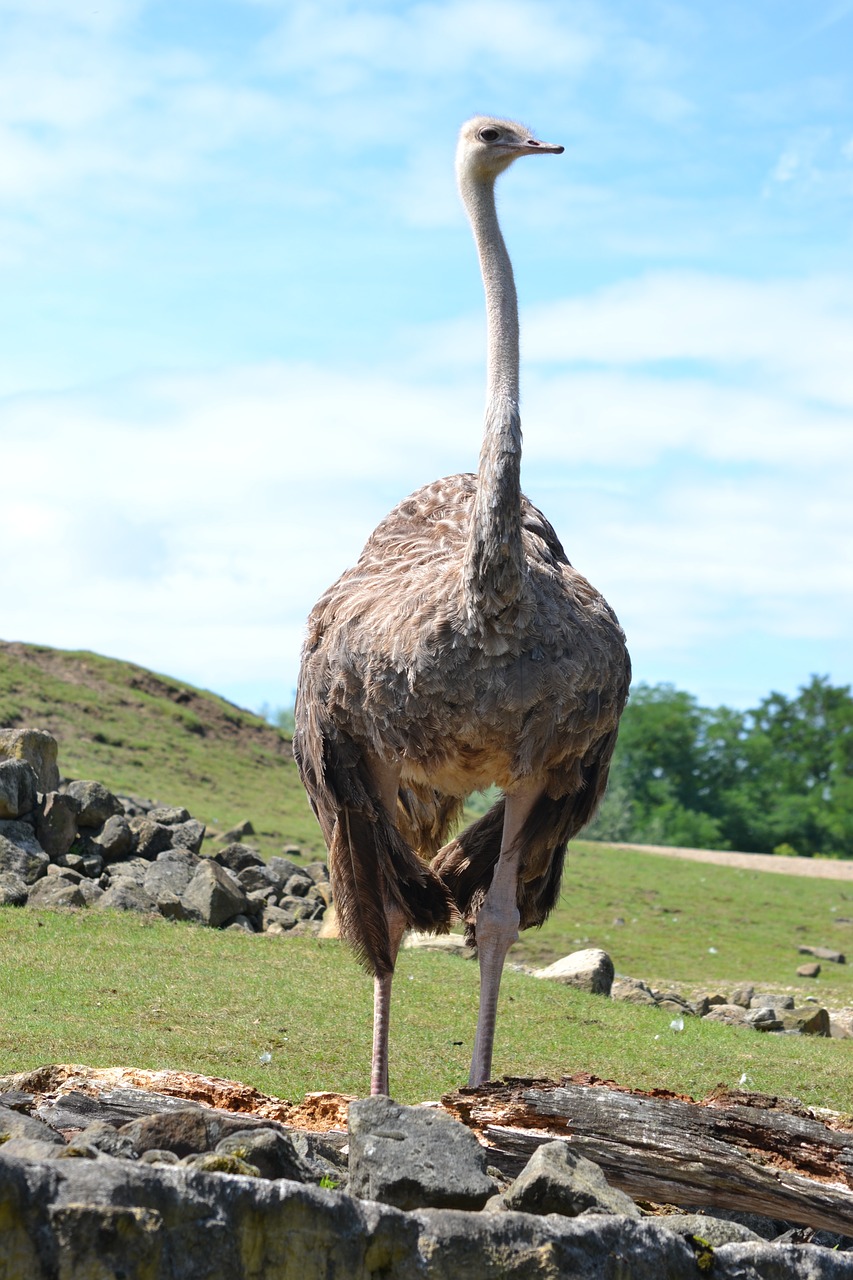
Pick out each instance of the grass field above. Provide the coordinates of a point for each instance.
(119, 990)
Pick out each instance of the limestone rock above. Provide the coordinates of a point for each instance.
(20, 852)
(169, 815)
(716, 1231)
(766, 1000)
(763, 1019)
(126, 895)
(823, 953)
(13, 889)
(17, 788)
(150, 838)
(808, 970)
(589, 970)
(56, 823)
(237, 857)
(168, 875)
(56, 891)
(415, 1157)
(184, 1131)
(116, 839)
(214, 894)
(38, 749)
(188, 835)
(271, 1151)
(558, 1180)
(14, 1124)
(632, 991)
(96, 802)
(811, 1020)
(734, 1015)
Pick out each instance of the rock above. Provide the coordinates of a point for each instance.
(14, 1124)
(188, 835)
(716, 1231)
(113, 1217)
(811, 1021)
(557, 1179)
(56, 891)
(182, 1131)
(214, 894)
(823, 953)
(318, 871)
(270, 916)
(589, 970)
(763, 1019)
(135, 869)
(96, 803)
(236, 834)
(17, 788)
(414, 1157)
(632, 991)
(281, 869)
(241, 923)
(150, 838)
(269, 1150)
(841, 1025)
(765, 1000)
(237, 857)
(106, 1137)
(20, 852)
(808, 971)
(116, 839)
(297, 886)
(56, 823)
(742, 995)
(126, 895)
(167, 875)
(258, 879)
(38, 749)
(734, 1015)
(13, 889)
(88, 863)
(169, 815)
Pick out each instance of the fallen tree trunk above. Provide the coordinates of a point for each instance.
(732, 1151)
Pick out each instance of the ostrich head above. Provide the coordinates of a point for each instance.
(488, 146)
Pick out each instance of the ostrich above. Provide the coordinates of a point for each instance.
(462, 650)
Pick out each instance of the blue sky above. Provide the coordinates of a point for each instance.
(242, 317)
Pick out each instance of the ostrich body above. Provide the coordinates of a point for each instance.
(462, 650)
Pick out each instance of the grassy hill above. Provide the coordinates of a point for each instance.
(149, 735)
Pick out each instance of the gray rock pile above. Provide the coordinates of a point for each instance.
(743, 1006)
(78, 845)
(144, 1184)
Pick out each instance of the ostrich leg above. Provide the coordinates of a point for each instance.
(388, 781)
(497, 928)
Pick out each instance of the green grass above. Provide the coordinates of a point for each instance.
(694, 924)
(119, 990)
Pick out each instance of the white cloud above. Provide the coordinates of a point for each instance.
(199, 513)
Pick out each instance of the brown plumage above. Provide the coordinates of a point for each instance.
(461, 650)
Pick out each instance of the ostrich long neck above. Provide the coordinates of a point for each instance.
(494, 560)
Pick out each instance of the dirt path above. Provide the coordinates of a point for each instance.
(818, 868)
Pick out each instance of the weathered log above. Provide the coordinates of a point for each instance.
(731, 1151)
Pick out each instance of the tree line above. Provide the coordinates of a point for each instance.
(777, 779)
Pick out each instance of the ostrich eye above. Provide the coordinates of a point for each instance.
(489, 135)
